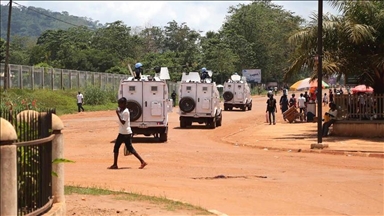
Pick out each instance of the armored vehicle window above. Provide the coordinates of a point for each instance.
(229, 86)
(239, 86)
(153, 88)
(189, 88)
(131, 88)
(205, 88)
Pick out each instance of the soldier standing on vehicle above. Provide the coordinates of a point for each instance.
(173, 96)
(138, 70)
(204, 73)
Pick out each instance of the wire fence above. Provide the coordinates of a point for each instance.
(30, 77)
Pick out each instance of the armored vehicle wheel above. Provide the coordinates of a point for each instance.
(211, 123)
(187, 104)
(135, 110)
(219, 121)
(250, 106)
(183, 123)
(163, 137)
(244, 107)
(188, 123)
(228, 96)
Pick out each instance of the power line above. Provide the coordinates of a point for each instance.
(29, 8)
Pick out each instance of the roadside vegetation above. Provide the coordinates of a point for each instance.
(64, 101)
(167, 204)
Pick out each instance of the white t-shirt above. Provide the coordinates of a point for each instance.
(80, 98)
(333, 113)
(301, 102)
(125, 128)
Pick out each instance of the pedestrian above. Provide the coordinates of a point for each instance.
(292, 101)
(332, 114)
(307, 98)
(330, 96)
(80, 102)
(271, 109)
(275, 90)
(325, 99)
(173, 96)
(284, 103)
(125, 134)
(301, 103)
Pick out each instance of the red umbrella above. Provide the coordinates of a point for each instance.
(362, 88)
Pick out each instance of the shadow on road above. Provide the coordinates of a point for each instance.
(193, 127)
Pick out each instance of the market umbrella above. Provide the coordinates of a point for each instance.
(307, 83)
(362, 88)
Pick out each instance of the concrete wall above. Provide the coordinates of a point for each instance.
(359, 128)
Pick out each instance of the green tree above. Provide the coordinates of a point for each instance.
(218, 56)
(184, 42)
(2, 50)
(257, 34)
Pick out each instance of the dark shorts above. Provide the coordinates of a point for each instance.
(124, 138)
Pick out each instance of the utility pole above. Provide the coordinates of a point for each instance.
(6, 67)
(319, 72)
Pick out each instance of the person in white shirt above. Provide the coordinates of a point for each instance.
(80, 101)
(332, 113)
(301, 103)
(125, 134)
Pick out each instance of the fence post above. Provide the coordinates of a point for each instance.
(8, 169)
(70, 79)
(42, 77)
(58, 168)
(61, 80)
(21, 77)
(52, 78)
(78, 80)
(32, 77)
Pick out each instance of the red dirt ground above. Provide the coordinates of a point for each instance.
(266, 182)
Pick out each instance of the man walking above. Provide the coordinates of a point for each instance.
(80, 101)
(271, 108)
(125, 134)
(284, 103)
(173, 96)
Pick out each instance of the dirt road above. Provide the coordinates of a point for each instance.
(262, 182)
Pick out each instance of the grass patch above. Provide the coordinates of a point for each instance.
(64, 101)
(169, 205)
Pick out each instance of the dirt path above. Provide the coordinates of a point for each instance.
(263, 182)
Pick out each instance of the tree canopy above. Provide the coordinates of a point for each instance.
(353, 43)
(252, 36)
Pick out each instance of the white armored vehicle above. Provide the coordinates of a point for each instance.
(148, 103)
(199, 101)
(237, 93)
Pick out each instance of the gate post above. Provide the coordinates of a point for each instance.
(8, 169)
(58, 168)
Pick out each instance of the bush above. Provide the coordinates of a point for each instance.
(63, 100)
(93, 95)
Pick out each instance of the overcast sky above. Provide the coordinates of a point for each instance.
(199, 15)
